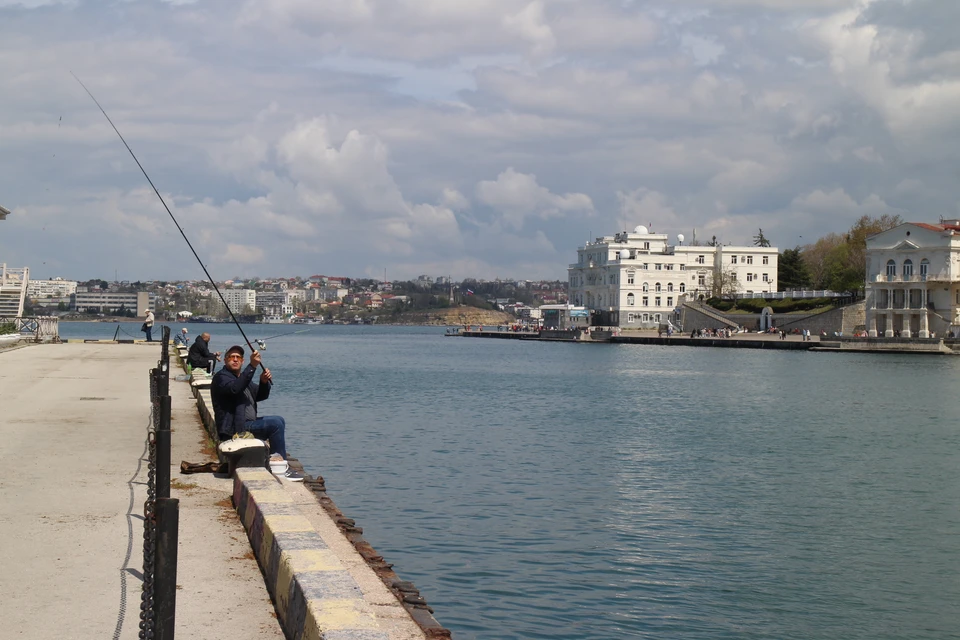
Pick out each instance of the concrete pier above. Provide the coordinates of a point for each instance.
(72, 437)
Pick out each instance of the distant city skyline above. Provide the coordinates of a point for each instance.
(468, 139)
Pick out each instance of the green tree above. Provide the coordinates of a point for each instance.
(760, 240)
(792, 272)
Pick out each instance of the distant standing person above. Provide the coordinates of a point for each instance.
(199, 356)
(235, 396)
(148, 325)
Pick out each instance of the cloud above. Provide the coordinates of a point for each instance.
(463, 138)
(517, 196)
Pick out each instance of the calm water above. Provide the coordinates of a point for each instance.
(596, 491)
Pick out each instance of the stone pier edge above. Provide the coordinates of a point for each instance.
(315, 597)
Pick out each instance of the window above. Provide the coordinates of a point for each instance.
(670, 301)
(646, 301)
(766, 259)
(629, 318)
(924, 268)
(630, 275)
(646, 317)
(749, 277)
(907, 267)
(657, 317)
(656, 301)
(658, 267)
(656, 287)
(891, 269)
(683, 267)
(646, 245)
(630, 299)
(669, 286)
(645, 287)
(668, 267)
(733, 259)
(683, 287)
(701, 280)
(765, 278)
(749, 259)
(645, 266)
(700, 259)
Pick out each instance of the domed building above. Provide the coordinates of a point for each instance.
(639, 279)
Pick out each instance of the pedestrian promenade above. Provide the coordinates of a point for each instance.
(73, 427)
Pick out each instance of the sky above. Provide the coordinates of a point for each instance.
(480, 138)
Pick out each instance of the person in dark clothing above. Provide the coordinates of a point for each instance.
(235, 396)
(199, 356)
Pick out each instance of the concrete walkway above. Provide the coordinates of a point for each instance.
(73, 425)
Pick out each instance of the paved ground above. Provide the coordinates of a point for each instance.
(72, 434)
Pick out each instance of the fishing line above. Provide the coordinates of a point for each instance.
(170, 213)
(262, 346)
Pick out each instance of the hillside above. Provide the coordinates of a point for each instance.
(453, 316)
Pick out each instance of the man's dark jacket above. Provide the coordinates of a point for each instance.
(230, 401)
(199, 356)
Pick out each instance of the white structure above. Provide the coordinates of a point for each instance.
(279, 303)
(239, 299)
(913, 279)
(13, 290)
(111, 301)
(637, 279)
(56, 288)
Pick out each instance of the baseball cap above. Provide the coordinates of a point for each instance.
(234, 349)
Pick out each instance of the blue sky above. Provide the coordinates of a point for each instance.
(485, 138)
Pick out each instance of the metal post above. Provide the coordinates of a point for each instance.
(165, 579)
(163, 449)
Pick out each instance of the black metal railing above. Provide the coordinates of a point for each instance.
(161, 512)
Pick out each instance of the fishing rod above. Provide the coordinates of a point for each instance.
(260, 341)
(170, 213)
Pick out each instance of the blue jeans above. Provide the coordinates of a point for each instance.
(149, 334)
(270, 428)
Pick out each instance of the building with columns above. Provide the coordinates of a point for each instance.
(638, 279)
(913, 280)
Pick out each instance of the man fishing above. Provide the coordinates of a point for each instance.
(235, 396)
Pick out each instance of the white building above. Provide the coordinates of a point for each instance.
(913, 279)
(111, 301)
(239, 299)
(56, 288)
(13, 289)
(637, 279)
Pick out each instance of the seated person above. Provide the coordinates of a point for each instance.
(235, 396)
(181, 338)
(199, 356)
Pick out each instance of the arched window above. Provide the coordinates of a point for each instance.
(907, 267)
(630, 299)
(669, 286)
(924, 268)
(645, 287)
(657, 287)
(891, 268)
(683, 287)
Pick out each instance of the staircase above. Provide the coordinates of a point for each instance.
(13, 290)
(710, 313)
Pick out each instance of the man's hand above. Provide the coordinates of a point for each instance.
(217, 356)
(266, 377)
(255, 358)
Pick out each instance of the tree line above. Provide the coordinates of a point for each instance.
(837, 261)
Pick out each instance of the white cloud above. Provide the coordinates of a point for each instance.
(517, 196)
(355, 135)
